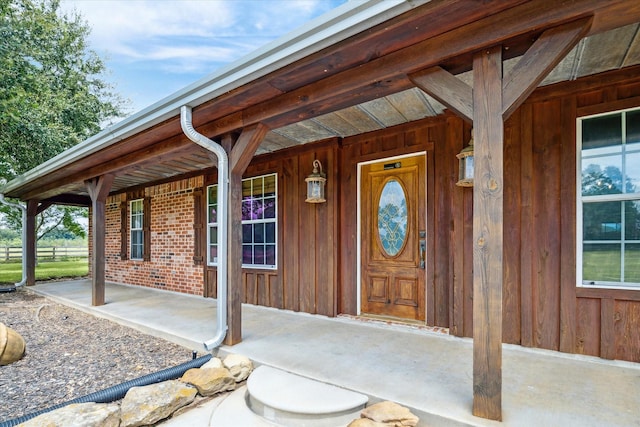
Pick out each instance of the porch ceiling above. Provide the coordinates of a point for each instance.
(162, 152)
(595, 54)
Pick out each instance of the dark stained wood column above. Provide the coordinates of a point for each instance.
(488, 137)
(240, 156)
(98, 189)
(491, 101)
(32, 211)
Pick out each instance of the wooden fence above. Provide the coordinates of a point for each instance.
(50, 253)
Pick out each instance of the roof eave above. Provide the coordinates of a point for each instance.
(339, 24)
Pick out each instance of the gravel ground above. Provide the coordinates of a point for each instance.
(70, 354)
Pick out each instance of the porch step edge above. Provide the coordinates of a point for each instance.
(292, 400)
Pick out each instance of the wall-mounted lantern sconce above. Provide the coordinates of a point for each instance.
(315, 184)
(465, 158)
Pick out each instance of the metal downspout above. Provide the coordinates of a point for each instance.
(24, 237)
(223, 214)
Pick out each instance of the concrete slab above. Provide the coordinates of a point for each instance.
(235, 412)
(431, 373)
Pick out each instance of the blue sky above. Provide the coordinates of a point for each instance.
(154, 48)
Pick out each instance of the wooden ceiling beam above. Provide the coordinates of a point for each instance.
(426, 21)
(70, 200)
(323, 96)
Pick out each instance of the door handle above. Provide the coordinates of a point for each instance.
(422, 249)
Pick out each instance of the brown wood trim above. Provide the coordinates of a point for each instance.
(455, 133)
(593, 82)
(124, 225)
(146, 226)
(526, 220)
(604, 293)
(605, 107)
(394, 130)
(568, 301)
(199, 220)
(430, 286)
(512, 259)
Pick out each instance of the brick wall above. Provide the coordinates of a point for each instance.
(171, 266)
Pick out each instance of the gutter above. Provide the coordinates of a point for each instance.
(337, 25)
(223, 213)
(24, 237)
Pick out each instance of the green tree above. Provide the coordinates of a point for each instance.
(52, 92)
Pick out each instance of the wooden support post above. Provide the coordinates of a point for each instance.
(32, 211)
(234, 264)
(491, 101)
(488, 135)
(98, 189)
(240, 154)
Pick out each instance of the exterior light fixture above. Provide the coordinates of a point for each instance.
(465, 158)
(315, 184)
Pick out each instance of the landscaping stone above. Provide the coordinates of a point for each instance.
(147, 405)
(390, 414)
(80, 415)
(366, 422)
(215, 362)
(239, 366)
(210, 381)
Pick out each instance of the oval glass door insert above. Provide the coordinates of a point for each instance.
(392, 217)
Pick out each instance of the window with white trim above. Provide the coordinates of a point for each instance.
(609, 200)
(136, 223)
(259, 222)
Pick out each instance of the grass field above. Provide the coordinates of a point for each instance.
(12, 272)
(606, 266)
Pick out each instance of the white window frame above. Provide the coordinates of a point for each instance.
(582, 200)
(139, 214)
(211, 226)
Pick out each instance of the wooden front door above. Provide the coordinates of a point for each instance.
(393, 238)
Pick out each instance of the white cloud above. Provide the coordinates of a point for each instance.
(145, 41)
(130, 29)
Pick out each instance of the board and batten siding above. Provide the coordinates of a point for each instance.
(540, 237)
(542, 306)
(308, 254)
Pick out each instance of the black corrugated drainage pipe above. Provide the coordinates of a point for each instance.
(118, 391)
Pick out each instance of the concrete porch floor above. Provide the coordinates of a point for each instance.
(429, 372)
